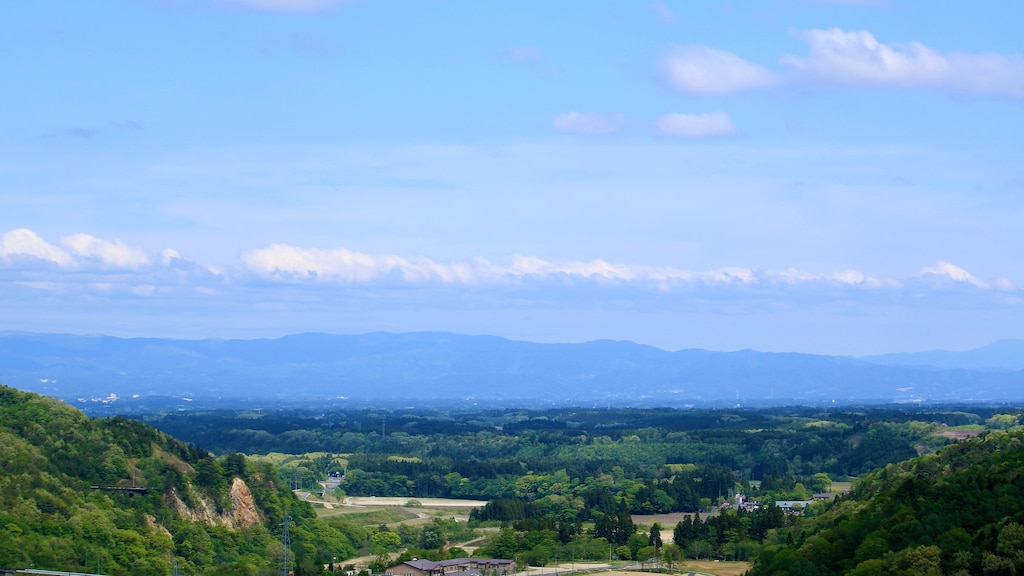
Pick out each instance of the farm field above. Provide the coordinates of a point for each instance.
(423, 502)
(697, 567)
(716, 568)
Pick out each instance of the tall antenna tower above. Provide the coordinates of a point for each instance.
(285, 566)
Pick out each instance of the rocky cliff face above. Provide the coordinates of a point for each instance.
(243, 508)
(242, 514)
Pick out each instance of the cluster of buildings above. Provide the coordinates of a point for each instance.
(740, 502)
(455, 567)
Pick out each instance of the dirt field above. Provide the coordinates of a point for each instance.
(702, 567)
(958, 433)
(425, 502)
(668, 522)
(716, 568)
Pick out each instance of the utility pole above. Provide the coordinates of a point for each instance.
(285, 567)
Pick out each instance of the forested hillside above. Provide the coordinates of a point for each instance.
(118, 497)
(956, 512)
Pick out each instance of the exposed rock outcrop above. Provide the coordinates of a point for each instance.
(242, 514)
(243, 507)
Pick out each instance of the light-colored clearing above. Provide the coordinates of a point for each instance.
(715, 568)
(840, 487)
(425, 502)
(702, 567)
(668, 522)
(959, 433)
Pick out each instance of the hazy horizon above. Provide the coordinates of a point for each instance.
(566, 342)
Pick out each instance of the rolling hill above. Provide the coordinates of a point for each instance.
(958, 512)
(115, 496)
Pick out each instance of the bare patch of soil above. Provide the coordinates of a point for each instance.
(716, 568)
(698, 567)
(956, 434)
(424, 502)
(668, 522)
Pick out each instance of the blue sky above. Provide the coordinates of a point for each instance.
(820, 176)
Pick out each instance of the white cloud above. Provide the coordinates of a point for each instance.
(705, 70)
(953, 272)
(856, 58)
(102, 266)
(340, 264)
(792, 275)
(24, 242)
(524, 266)
(110, 253)
(664, 13)
(284, 259)
(696, 125)
(84, 252)
(849, 277)
(1005, 284)
(729, 275)
(287, 5)
(169, 255)
(849, 58)
(281, 261)
(587, 123)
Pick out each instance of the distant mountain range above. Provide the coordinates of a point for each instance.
(417, 367)
(1002, 355)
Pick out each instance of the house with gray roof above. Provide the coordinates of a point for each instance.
(454, 567)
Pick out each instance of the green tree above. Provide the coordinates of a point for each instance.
(654, 537)
(381, 563)
(671, 554)
(386, 542)
(432, 536)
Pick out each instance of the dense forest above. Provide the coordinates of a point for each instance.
(654, 460)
